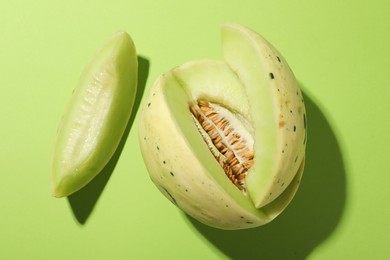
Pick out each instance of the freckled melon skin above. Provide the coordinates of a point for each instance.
(179, 162)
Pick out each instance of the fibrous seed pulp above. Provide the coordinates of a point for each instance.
(227, 138)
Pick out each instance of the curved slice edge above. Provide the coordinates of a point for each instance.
(277, 111)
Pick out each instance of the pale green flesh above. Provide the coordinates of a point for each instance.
(209, 80)
(251, 71)
(96, 116)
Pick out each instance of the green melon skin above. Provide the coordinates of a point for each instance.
(96, 116)
(179, 161)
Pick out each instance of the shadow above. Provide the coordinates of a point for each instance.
(83, 201)
(313, 214)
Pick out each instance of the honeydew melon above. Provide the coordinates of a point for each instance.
(225, 140)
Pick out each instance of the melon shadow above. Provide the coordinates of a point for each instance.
(313, 214)
(83, 201)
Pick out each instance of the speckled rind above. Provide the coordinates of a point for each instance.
(177, 170)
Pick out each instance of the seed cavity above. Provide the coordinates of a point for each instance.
(228, 138)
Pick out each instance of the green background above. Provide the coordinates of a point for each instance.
(339, 52)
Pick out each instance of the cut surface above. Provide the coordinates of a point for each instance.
(96, 116)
